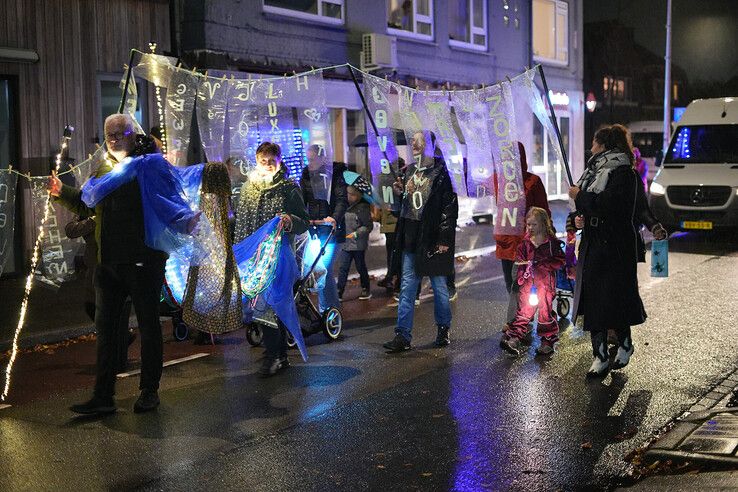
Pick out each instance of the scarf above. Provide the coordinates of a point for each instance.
(599, 167)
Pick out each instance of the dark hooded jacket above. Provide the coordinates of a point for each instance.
(535, 196)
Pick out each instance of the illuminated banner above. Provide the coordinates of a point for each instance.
(180, 103)
(510, 217)
(472, 117)
(382, 145)
(57, 250)
(211, 115)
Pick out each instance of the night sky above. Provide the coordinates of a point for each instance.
(704, 32)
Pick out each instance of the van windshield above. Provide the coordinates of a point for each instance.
(704, 144)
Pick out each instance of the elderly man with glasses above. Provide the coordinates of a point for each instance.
(127, 267)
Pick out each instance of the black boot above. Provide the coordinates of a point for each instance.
(442, 339)
(601, 362)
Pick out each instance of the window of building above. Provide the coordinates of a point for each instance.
(330, 11)
(468, 23)
(617, 88)
(551, 31)
(109, 94)
(410, 18)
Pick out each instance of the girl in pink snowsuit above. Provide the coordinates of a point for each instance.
(539, 257)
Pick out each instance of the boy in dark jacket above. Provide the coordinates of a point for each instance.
(266, 193)
(425, 237)
(358, 226)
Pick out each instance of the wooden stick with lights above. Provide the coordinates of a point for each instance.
(63, 149)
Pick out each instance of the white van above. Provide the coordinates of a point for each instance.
(697, 184)
(648, 136)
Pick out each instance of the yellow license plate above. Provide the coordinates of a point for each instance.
(697, 224)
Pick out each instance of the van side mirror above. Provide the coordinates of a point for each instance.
(659, 158)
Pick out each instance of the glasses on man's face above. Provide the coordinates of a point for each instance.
(114, 137)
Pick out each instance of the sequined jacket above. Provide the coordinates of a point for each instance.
(258, 203)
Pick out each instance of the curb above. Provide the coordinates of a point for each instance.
(706, 433)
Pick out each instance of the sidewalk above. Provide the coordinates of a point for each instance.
(705, 438)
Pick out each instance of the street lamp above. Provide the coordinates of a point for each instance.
(591, 102)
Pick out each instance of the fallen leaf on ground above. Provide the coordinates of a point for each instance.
(586, 445)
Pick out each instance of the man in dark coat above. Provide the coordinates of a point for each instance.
(326, 204)
(426, 239)
(126, 267)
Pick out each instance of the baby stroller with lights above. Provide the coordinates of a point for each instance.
(565, 279)
(312, 321)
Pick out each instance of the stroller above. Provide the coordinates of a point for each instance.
(565, 282)
(311, 320)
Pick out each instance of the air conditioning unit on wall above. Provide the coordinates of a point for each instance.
(378, 51)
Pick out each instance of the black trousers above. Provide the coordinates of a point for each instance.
(113, 285)
(358, 257)
(393, 260)
(275, 340)
(507, 266)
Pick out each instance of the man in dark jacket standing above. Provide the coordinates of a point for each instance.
(425, 237)
(324, 193)
(127, 267)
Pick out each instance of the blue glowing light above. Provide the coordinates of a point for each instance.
(681, 145)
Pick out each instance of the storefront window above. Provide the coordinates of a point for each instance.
(354, 128)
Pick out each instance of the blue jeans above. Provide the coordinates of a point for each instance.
(328, 295)
(408, 291)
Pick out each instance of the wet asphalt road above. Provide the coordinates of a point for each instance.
(467, 417)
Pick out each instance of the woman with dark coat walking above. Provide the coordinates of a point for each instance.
(606, 291)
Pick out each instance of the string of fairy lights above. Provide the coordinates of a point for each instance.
(34, 263)
(159, 107)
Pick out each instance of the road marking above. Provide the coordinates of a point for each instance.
(487, 280)
(3, 406)
(166, 364)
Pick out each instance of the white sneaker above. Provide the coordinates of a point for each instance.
(598, 368)
(622, 357)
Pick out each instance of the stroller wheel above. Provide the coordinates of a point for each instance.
(291, 343)
(254, 334)
(332, 323)
(180, 330)
(563, 307)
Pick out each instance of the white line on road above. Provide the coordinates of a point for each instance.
(166, 364)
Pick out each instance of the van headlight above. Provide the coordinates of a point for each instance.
(657, 189)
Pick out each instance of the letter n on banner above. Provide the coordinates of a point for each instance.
(510, 218)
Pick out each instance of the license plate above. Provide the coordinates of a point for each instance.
(697, 224)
